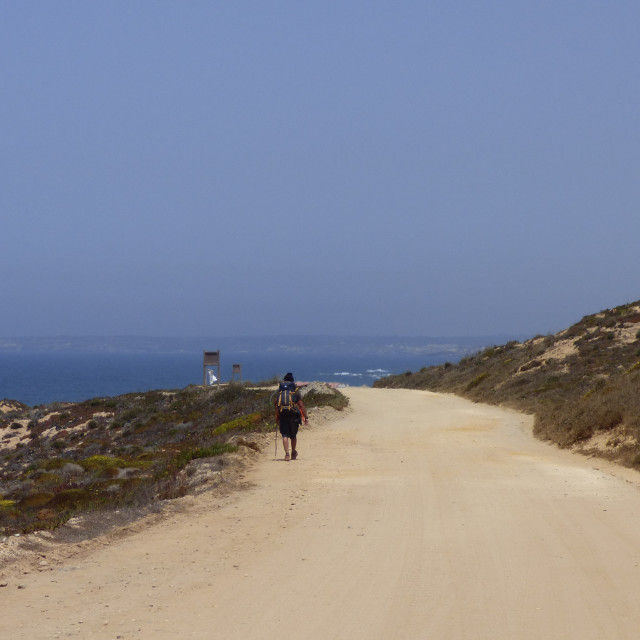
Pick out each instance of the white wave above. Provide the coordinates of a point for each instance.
(347, 373)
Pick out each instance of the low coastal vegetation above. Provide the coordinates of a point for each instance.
(63, 459)
(582, 384)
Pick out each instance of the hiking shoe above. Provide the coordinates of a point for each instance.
(287, 458)
(294, 455)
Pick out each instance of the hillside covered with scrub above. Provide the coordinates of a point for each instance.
(131, 451)
(582, 384)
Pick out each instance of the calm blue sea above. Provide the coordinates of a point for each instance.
(40, 378)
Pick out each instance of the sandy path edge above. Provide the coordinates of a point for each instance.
(416, 515)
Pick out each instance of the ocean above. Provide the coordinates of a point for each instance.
(43, 377)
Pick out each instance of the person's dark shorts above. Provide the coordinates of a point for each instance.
(289, 424)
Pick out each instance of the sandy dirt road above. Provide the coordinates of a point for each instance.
(415, 516)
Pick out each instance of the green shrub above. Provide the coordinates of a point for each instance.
(72, 498)
(36, 500)
(48, 479)
(48, 524)
(54, 463)
(185, 457)
(477, 380)
(534, 364)
(100, 463)
(335, 400)
(244, 422)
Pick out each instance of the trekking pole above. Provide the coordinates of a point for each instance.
(275, 453)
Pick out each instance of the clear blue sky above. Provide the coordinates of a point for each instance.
(354, 167)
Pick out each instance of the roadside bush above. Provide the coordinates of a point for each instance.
(334, 400)
(477, 380)
(244, 422)
(185, 457)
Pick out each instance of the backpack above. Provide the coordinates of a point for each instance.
(285, 401)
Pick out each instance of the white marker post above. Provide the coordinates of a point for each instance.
(210, 359)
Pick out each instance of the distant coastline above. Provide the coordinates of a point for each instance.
(300, 344)
(43, 370)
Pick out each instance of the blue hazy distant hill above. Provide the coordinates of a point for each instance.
(361, 345)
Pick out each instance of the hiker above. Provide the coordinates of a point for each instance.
(290, 411)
